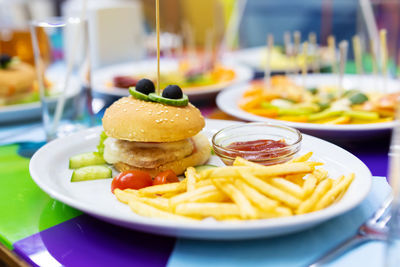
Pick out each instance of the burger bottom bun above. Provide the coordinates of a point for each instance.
(199, 157)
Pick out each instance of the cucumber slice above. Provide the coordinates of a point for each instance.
(200, 168)
(168, 101)
(91, 173)
(138, 95)
(362, 115)
(324, 114)
(358, 98)
(85, 159)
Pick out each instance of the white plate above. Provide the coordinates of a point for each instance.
(49, 169)
(104, 76)
(29, 111)
(252, 57)
(227, 102)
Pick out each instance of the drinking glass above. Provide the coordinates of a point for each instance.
(63, 72)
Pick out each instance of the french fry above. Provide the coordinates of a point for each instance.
(287, 187)
(150, 211)
(247, 211)
(331, 195)
(320, 190)
(269, 190)
(266, 171)
(189, 196)
(126, 196)
(246, 190)
(191, 179)
(302, 158)
(163, 188)
(320, 174)
(216, 210)
(123, 196)
(261, 201)
(309, 185)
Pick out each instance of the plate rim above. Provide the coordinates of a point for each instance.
(245, 74)
(241, 114)
(275, 223)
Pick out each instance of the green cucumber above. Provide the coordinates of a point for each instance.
(362, 115)
(324, 115)
(358, 98)
(169, 101)
(86, 159)
(200, 168)
(91, 173)
(138, 95)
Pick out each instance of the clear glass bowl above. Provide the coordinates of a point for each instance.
(257, 131)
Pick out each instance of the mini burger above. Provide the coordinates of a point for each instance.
(154, 133)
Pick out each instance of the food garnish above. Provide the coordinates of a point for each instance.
(244, 191)
(91, 173)
(133, 179)
(288, 101)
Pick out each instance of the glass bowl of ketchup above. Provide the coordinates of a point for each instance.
(263, 143)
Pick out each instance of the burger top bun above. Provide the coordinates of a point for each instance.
(141, 121)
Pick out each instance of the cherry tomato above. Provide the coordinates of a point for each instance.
(132, 180)
(165, 177)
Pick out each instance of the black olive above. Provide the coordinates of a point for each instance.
(145, 86)
(4, 60)
(172, 92)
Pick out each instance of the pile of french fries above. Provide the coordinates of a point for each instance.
(244, 191)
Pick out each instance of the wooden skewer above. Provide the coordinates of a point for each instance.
(332, 49)
(312, 38)
(304, 67)
(383, 55)
(372, 48)
(288, 48)
(343, 48)
(267, 72)
(158, 89)
(357, 54)
(297, 40)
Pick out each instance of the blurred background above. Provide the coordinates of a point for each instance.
(342, 18)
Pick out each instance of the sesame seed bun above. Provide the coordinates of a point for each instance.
(198, 157)
(136, 120)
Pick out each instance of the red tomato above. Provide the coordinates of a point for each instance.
(165, 177)
(132, 180)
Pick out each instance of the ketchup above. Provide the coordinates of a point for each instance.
(257, 150)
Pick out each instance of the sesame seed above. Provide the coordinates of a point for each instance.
(124, 109)
(142, 130)
(172, 120)
(187, 118)
(177, 115)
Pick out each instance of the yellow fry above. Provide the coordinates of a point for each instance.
(188, 196)
(296, 178)
(277, 212)
(150, 211)
(331, 195)
(302, 158)
(287, 187)
(258, 199)
(239, 161)
(204, 182)
(309, 185)
(269, 190)
(266, 171)
(247, 211)
(163, 188)
(123, 196)
(309, 204)
(216, 210)
(212, 196)
(320, 174)
(191, 179)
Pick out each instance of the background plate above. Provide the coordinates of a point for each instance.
(227, 102)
